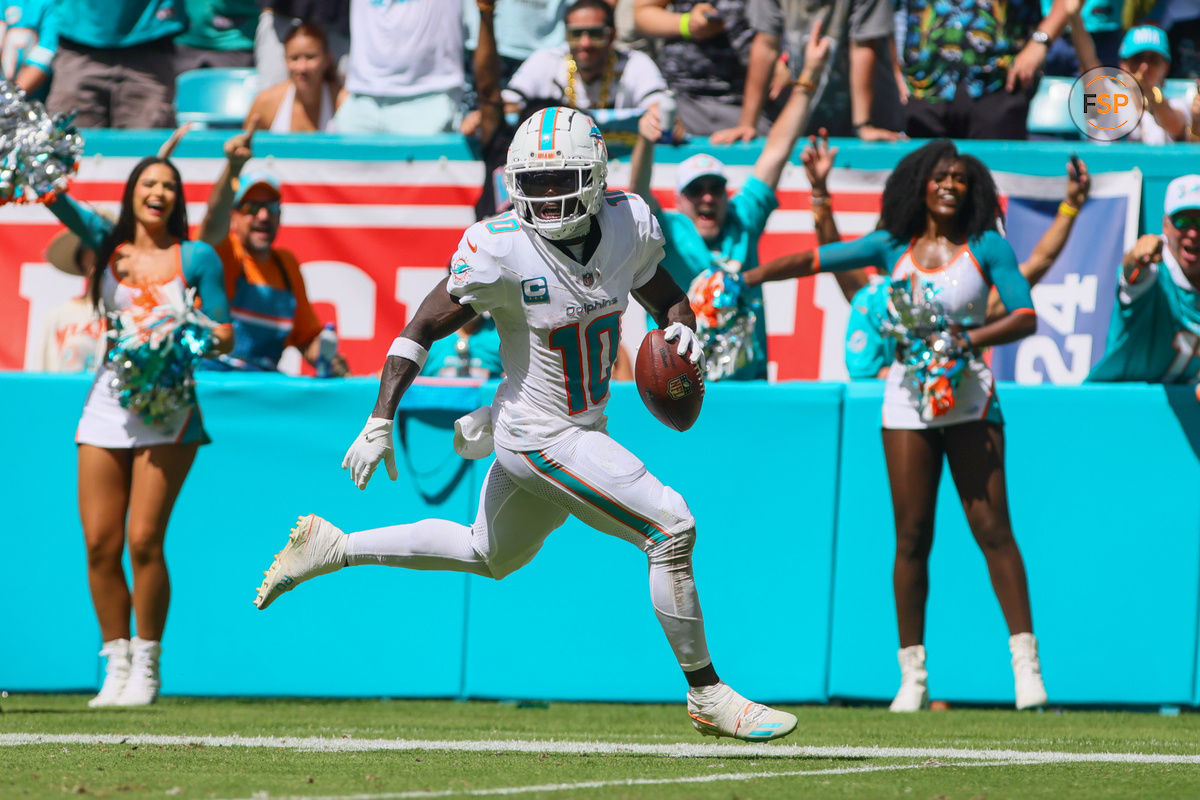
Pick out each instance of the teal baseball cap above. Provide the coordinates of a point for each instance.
(1145, 39)
(249, 180)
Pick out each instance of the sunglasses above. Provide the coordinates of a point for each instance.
(252, 208)
(575, 33)
(1184, 220)
(548, 182)
(698, 188)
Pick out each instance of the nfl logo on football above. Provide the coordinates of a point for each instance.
(679, 387)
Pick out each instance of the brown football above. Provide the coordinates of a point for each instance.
(670, 385)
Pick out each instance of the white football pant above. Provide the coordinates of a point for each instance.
(526, 495)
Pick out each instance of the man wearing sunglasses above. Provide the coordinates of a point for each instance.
(267, 300)
(1154, 334)
(589, 70)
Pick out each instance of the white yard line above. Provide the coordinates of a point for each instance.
(563, 787)
(321, 744)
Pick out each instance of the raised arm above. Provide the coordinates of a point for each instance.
(786, 130)
(865, 251)
(215, 226)
(1027, 63)
(818, 158)
(764, 50)
(487, 74)
(641, 162)
(1046, 251)
(80, 220)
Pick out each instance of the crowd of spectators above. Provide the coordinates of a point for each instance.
(963, 69)
(723, 69)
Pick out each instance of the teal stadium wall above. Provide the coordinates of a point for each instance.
(787, 483)
(793, 558)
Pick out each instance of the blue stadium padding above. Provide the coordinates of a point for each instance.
(1108, 533)
(50, 633)
(1102, 483)
(278, 445)
(218, 97)
(1103, 492)
(577, 622)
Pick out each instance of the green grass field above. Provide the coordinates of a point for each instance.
(53, 746)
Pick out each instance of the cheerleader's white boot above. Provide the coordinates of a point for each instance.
(914, 680)
(116, 673)
(1027, 671)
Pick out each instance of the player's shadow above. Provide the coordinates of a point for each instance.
(436, 480)
(1185, 405)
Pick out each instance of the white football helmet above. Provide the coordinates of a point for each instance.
(556, 172)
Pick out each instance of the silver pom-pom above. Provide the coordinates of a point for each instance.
(39, 152)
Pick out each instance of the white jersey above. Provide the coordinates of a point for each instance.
(405, 48)
(558, 319)
(635, 82)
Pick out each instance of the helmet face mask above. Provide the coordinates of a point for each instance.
(555, 174)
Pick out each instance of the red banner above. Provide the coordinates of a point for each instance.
(373, 237)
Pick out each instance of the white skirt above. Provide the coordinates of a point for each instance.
(974, 399)
(105, 423)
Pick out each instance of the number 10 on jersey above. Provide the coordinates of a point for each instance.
(590, 348)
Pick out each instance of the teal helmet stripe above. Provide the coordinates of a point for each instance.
(548, 120)
(576, 486)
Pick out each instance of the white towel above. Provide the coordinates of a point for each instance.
(473, 434)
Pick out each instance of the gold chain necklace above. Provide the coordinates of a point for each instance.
(605, 87)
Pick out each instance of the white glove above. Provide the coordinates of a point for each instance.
(373, 444)
(689, 345)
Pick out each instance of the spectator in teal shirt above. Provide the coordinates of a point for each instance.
(472, 352)
(1154, 334)
(29, 45)
(115, 66)
(710, 229)
(220, 34)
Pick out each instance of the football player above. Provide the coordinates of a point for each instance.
(555, 273)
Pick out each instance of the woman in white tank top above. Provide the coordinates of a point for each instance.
(308, 99)
(131, 469)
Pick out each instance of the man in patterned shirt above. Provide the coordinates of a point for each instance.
(972, 65)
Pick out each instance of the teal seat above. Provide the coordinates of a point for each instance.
(1179, 89)
(216, 97)
(1050, 112)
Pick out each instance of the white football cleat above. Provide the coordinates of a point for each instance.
(720, 711)
(142, 687)
(314, 548)
(914, 680)
(1027, 671)
(116, 673)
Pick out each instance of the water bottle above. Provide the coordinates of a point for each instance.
(462, 348)
(666, 114)
(327, 347)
